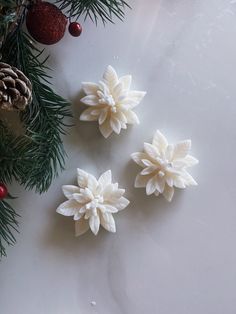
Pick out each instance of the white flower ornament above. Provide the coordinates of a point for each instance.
(111, 102)
(93, 202)
(164, 166)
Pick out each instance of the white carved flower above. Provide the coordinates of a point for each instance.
(111, 102)
(93, 202)
(164, 166)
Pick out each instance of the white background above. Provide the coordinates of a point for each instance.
(176, 258)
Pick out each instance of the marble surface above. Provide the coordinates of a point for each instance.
(176, 258)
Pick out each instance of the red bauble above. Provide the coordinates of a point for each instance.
(46, 23)
(75, 29)
(3, 191)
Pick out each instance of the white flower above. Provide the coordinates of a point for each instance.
(111, 102)
(93, 202)
(164, 166)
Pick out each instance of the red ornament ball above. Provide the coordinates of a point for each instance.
(3, 191)
(46, 23)
(75, 29)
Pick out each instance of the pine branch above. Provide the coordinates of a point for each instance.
(8, 224)
(94, 9)
(41, 150)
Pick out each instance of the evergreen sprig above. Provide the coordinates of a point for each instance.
(94, 9)
(40, 150)
(8, 225)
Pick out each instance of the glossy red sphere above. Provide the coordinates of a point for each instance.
(3, 191)
(75, 29)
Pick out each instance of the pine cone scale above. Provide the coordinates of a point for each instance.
(15, 88)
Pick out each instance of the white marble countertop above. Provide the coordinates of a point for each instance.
(176, 258)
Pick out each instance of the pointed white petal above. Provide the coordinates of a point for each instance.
(122, 203)
(92, 182)
(190, 161)
(121, 117)
(160, 184)
(138, 157)
(103, 115)
(168, 193)
(110, 76)
(159, 141)
(69, 190)
(169, 152)
(82, 178)
(87, 115)
(68, 208)
(110, 209)
(90, 100)
(151, 150)
(141, 181)
(137, 96)
(117, 91)
(151, 185)
(81, 198)
(105, 128)
(126, 81)
(90, 88)
(94, 223)
(81, 226)
(169, 180)
(77, 215)
(105, 178)
(115, 125)
(179, 182)
(108, 222)
(148, 170)
(181, 149)
(188, 179)
(131, 117)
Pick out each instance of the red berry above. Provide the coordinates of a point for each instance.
(3, 191)
(75, 29)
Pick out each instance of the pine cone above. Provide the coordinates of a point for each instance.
(15, 88)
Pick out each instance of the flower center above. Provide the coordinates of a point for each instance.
(94, 203)
(108, 100)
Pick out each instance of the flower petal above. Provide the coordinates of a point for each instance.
(81, 198)
(94, 223)
(108, 222)
(105, 178)
(188, 179)
(179, 182)
(87, 115)
(141, 181)
(81, 226)
(137, 157)
(117, 91)
(190, 161)
(148, 170)
(122, 203)
(126, 81)
(82, 178)
(105, 128)
(131, 117)
(181, 149)
(151, 185)
(115, 125)
(110, 76)
(110, 209)
(90, 100)
(103, 115)
(160, 184)
(168, 193)
(90, 88)
(151, 150)
(136, 96)
(159, 141)
(92, 182)
(68, 208)
(69, 190)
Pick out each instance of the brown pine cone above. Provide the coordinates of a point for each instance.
(15, 88)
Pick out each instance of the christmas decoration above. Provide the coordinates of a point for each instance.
(75, 29)
(36, 157)
(164, 166)
(93, 202)
(46, 23)
(111, 102)
(15, 88)
(3, 191)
